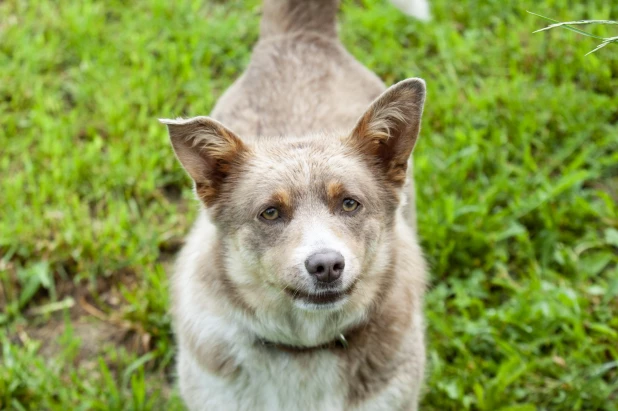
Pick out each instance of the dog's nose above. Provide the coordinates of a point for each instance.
(326, 265)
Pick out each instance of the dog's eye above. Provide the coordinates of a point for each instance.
(349, 205)
(270, 214)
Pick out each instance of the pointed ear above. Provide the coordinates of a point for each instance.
(207, 150)
(388, 130)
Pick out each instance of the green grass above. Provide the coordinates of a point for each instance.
(517, 174)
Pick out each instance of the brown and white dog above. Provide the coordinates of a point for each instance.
(301, 284)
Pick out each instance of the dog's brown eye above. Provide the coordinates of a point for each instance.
(349, 205)
(270, 214)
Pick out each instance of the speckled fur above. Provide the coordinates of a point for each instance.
(304, 127)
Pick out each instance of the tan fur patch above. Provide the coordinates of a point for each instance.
(334, 189)
(205, 192)
(282, 199)
(335, 192)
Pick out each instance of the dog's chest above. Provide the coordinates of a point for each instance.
(270, 380)
(287, 381)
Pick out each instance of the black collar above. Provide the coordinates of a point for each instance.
(338, 343)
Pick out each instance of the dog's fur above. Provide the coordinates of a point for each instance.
(311, 127)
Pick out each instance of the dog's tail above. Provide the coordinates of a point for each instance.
(289, 16)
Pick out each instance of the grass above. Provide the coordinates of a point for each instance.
(569, 25)
(517, 173)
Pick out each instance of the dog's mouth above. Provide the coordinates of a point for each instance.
(320, 297)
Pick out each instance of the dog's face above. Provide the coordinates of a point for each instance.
(306, 223)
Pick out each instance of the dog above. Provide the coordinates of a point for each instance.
(300, 286)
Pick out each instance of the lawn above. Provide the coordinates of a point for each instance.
(516, 167)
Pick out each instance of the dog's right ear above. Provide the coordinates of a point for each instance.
(387, 132)
(207, 150)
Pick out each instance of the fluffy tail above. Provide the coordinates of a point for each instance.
(289, 16)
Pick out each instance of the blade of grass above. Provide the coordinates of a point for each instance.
(568, 27)
(577, 22)
(599, 47)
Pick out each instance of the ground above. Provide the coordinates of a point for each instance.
(516, 167)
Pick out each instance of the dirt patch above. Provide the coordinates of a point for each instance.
(90, 339)
(90, 320)
(92, 333)
(95, 331)
(95, 315)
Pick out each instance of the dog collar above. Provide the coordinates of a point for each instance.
(338, 343)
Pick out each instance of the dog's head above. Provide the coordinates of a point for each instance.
(306, 222)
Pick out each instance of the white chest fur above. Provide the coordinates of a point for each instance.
(268, 380)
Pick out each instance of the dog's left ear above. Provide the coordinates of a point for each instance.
(208, 151)
(387, 132)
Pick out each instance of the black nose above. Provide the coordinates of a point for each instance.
(326, 265)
